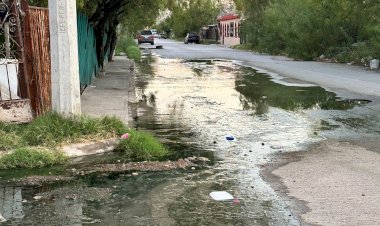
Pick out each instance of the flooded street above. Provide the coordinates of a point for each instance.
(193, 107)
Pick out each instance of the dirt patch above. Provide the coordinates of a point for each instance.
(137, 166)
(188, 163)
(335, 183)
(39, 180)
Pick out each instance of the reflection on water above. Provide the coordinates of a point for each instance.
(258, 91)
(11, 203)
(191, 106)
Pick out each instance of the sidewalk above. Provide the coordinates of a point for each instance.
(109, 95)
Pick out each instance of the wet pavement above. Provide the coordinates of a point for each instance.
(192, 106)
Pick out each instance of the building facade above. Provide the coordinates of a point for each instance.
(229, 29)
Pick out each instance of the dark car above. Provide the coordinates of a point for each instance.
(146, 36)
(192, 37)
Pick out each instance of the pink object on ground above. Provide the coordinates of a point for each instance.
(125, 136)
(236, 201)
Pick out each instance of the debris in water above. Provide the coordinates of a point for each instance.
(2, 219)
(230, 138)
(221, 195)
(236, 201)
(37, 197)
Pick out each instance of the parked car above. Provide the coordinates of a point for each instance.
(192, 37)
(163, 35)
(155, 33)
(146, 36)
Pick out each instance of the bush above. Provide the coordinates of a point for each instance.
(133, 52)
(31, 158)
(123, 43)
(142, 146)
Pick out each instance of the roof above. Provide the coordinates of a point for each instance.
(228, 17)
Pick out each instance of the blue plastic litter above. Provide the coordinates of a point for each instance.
(230, 138)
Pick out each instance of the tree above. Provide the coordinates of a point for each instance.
(106, 15)
(190, 16)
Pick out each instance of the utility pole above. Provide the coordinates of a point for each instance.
(64, 57)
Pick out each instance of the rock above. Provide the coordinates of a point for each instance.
(321, 57)
(24, 201)
(203, 159)
(71, 197)
(118, 160)
(37, 197)
(262, 144)
(193, 168)
(374, 64)
(2, 219)
(135, 174)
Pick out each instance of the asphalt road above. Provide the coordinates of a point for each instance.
(345, 80)
(337, 180)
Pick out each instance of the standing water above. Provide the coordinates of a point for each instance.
(234, 115)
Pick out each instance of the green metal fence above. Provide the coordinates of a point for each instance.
(88, 62)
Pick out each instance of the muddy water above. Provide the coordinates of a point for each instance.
(192, 106)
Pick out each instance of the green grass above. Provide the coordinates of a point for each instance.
(29, 143)
(142, 146)
(123, 43)
(52, 129)
(10, 140)
(133, 52)
(49, 132)
(31, 158)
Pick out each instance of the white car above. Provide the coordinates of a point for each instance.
(155, 33)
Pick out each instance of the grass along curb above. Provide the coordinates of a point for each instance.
(40, 143)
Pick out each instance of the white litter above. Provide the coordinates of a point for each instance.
(221, 195)
(2, 219)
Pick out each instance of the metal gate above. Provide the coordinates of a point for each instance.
(14, 102)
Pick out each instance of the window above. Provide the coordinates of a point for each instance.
(231, 29)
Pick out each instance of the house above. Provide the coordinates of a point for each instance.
(229, 29)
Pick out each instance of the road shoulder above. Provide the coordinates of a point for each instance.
(334, 183)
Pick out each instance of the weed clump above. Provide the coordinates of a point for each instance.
(142, 146)
(53, 129)
(31, 158)
(133, 52)
(24, 142)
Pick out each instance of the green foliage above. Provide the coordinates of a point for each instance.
(142, 146)
(10, 140)
(190, 16)
(53, 129)
(140, 14)
(31, 158)
(133, 52)
(124, 41)
(306, 29)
